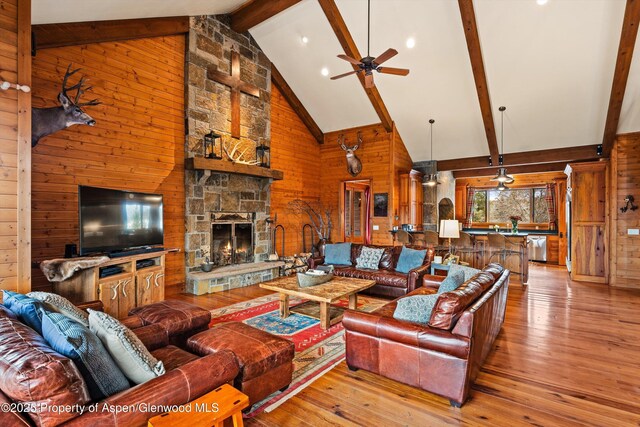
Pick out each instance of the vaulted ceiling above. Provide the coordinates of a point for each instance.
(551, 65)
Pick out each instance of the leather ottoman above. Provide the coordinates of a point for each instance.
(179, 319)
(265, 360)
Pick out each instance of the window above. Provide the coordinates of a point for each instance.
(494, 206)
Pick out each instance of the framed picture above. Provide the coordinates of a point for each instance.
(381, 204)
(452, 259)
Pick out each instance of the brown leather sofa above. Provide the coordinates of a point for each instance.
(389, 282)
(33, 374)
(443, 357)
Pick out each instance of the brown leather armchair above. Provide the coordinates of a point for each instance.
(443, 356)
(389, 282)
(31, 372)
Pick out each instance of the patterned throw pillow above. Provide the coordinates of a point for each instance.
(369, 258)
(126, 349)
(410, 259)
(416, 309)
(62, 305)
(27, 309)
(469, 272)
(451, 282)
(78, 343)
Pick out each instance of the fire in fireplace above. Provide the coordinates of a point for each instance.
(232, 238)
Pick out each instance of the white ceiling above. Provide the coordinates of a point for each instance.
(550, 65)
(56, 11)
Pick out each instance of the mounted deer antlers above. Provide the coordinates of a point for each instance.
(235, 155)
(354, 165)
(45, 121)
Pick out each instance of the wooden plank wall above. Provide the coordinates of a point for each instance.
(296, 152)
(376, 155)
(137, 143)
(15, 151)
(625, 179)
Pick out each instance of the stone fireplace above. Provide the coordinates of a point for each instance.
(226, 213)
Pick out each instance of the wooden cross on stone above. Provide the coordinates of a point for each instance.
(237, 86)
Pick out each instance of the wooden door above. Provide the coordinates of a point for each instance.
(109, 293)
(404, 199)
(416, 200)
(561, 213)
(158, 286)
(355, 212)
(144, 284)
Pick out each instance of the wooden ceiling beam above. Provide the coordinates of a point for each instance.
(254, 12)
(623, 64)
(554, 155)
(292, 99)
(536, 168)
(477, 65)
(349, 46)
(77, 33)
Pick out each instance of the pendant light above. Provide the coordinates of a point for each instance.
(502, 176)
(432, 178)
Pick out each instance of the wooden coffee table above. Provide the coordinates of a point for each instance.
(325, 294)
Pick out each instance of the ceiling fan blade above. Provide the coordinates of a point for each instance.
(368, 81)
(349, 59)
(386, 55)
(391, 70)
(339, 76)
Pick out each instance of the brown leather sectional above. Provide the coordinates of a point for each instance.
(389, 282)
(444, 356)
(30, 371)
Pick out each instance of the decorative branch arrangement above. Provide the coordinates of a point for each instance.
(319, 215)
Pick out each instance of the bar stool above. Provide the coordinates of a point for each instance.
(498, 247)
(464, 245)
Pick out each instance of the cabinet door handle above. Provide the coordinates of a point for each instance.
(124, 288)
(158, 276)
(115, 290)
(148, 279)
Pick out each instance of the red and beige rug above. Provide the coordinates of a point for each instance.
(317, 350)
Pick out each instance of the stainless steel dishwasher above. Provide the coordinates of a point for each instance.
(537, 247)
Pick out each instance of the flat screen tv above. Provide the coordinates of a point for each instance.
(114, 220)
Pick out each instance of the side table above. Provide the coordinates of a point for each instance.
(210, 409)
(441, 267)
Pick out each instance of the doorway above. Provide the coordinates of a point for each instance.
(355, 222)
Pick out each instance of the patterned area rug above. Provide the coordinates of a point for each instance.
(317, 350)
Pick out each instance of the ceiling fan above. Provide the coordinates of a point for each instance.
(369, 64)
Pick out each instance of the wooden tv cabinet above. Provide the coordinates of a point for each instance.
(121, 292)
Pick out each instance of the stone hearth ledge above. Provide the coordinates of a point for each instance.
(231, 277)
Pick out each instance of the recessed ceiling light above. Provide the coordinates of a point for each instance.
(411, 42)
(542, 2)
(324, 71)
(304, 40)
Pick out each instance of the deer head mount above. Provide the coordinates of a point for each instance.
(45, 121)
(354, 165)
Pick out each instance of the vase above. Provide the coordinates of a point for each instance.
(322, 243)
(514, 227)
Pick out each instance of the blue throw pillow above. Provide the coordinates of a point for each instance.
(416, 308)
(75, 341)
(410, 259)
(27, 309)
(451, 282)
(337, 253)
(468, 272)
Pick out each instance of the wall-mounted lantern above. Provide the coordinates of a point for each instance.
(263, 155)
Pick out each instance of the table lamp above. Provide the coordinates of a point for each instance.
(449, 228)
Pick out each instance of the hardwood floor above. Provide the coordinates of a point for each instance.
(567, 355)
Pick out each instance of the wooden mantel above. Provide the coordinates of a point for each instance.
(226, 166)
